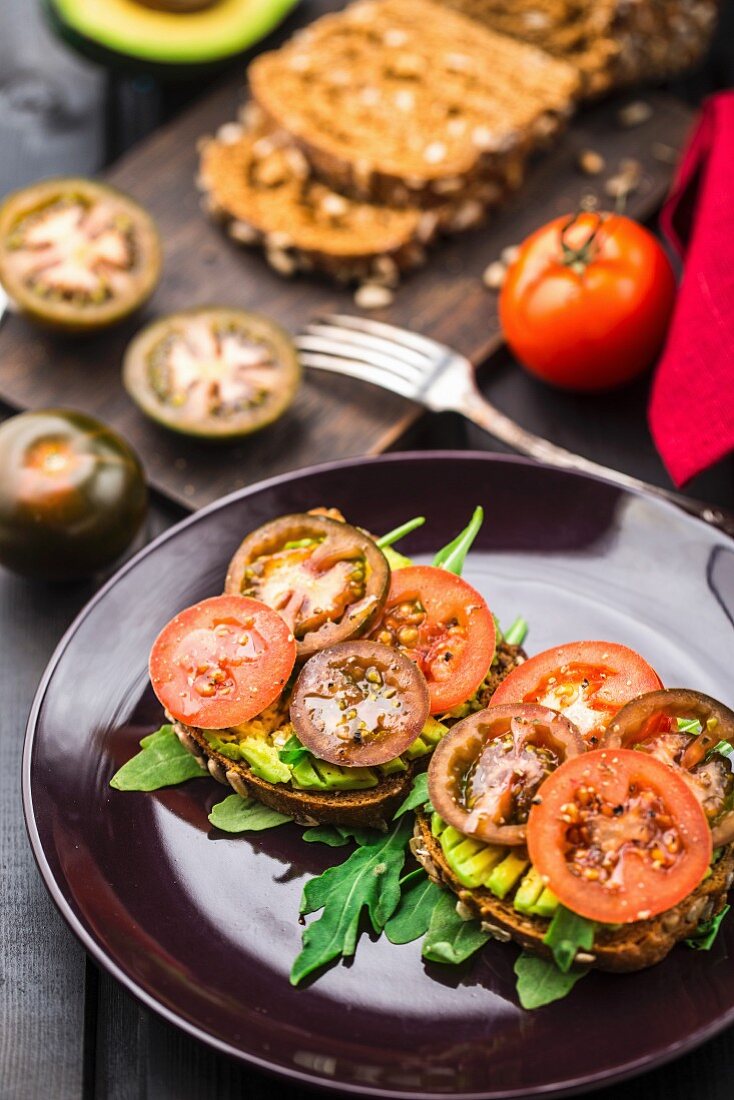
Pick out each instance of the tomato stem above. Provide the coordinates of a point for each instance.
(579, 258)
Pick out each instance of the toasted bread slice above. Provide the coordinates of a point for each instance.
(371, 808)
(405, 102)
(368, 808)
(628, 947)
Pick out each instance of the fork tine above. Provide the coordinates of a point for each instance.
(389, 332)
(357, 338)
(371, 359)
(373, 375)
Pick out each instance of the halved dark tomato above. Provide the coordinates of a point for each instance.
(325, 578)
(359, 704)
(214, 373)
(221, 662)
(650, 723)
(485, 773)
(618, 836)
(586, 681)
(444, 625)
(77, 254)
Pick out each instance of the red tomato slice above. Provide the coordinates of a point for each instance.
(618, 836)
(445, 626)
(587, 681)
(222, 661)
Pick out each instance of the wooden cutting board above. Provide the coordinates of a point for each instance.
(332, 417)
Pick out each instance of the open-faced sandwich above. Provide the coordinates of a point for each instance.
(565, 801)
(610, 854)
(330, 669)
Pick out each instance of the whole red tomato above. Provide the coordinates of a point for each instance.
(586, 304)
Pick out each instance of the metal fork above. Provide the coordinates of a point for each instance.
(437, 377)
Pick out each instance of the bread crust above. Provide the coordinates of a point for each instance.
(371, 808)
(631, 947)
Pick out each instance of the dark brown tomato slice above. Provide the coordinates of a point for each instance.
(586, 681)
(618, 836)
(359, 704)
(444, 625)
(485, 774)
(76, 254)
(214, 373)
(72, 494)
(650, 724)
(221, 662)
(327, 579)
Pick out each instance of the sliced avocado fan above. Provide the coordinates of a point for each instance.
(131, 28)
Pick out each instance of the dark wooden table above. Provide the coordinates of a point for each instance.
(67, 1030)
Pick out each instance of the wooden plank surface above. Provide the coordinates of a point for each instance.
(332, 417)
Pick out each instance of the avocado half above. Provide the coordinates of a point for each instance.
(131, 33)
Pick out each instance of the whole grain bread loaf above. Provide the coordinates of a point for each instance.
(623, 948)
(407, 103)
(613, 43)
(259, 184)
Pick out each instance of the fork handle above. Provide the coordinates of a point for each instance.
(482, 413)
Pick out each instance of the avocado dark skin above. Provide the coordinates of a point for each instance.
(203, 53)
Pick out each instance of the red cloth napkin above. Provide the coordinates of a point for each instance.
(691, 412)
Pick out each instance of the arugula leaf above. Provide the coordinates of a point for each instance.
(452, 556)
(568, 933)
(412, 917)
(244, 815)
(688, 725)
(449, 938)
(162, 762)
(326, 834)
(293, 751)
(417, 796)
(336, 836)
(399, 533)
(706, 932)
(516, 634)
(369, 878)
(692, 725)
(539, 981)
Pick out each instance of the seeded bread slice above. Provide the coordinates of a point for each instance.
(370, 808)
(631, 947)
(260, 186)
(613, 43)
(407, 103)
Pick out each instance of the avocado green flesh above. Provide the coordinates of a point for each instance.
(133, 30)
(495, 868)
(311, 774)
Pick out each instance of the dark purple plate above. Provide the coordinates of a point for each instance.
(203, 927)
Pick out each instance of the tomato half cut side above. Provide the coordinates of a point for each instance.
(221, 662)
(327, 579)
(444, 625)
(587, 681)
(650, 724)
(618, 836)
(485, 773)
(359, 704)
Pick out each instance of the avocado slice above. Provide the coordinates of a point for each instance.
(426, 742)
(264, 760)
(310, 774)
(495, 868)
(507, 873)
(130, 30)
